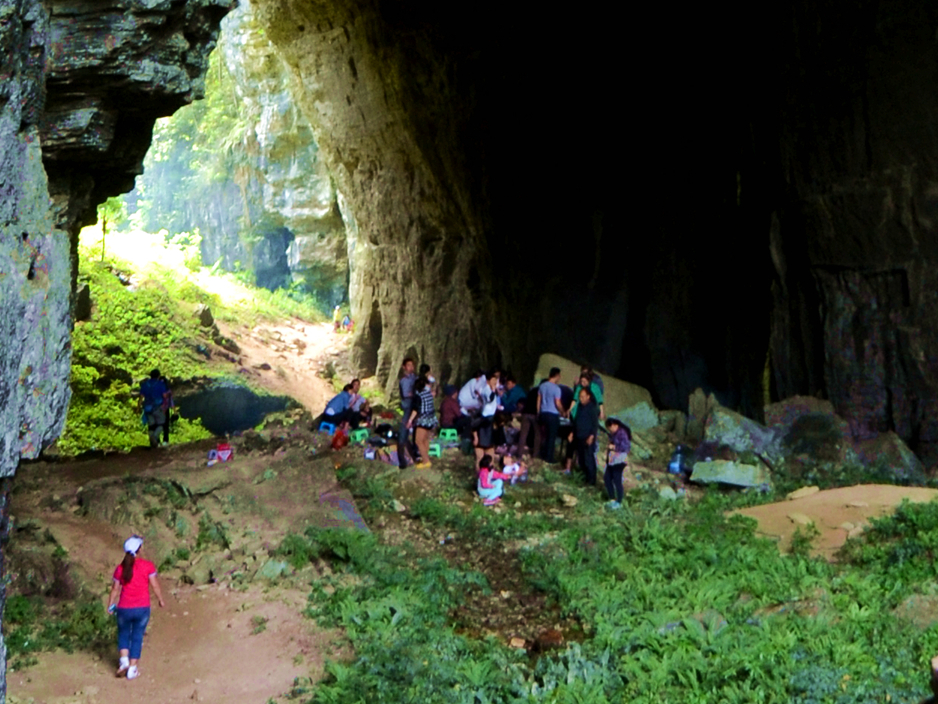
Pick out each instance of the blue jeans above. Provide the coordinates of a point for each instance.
(131, 625)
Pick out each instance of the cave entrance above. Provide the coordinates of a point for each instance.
(369, 345)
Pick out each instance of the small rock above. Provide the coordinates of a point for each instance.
(858, 530)
(204, 314)
(858, 504)
(800, 519)
(569, 501)
(667, 493)
(517, 642)
(847, 526)
(398, 506)
(802, 492)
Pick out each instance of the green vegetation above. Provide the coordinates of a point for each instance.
(132, 332)
(150, 324)
(675, 601)
(31, 626)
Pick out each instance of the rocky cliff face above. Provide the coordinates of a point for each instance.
(82, 84)
(244, 169)
(765, 204)
(390, 118)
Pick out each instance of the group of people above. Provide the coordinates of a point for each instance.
(348, 407)
(503, 422)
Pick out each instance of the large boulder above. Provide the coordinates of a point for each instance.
(699, 406)
(732, 473)
(889, 454)
(726, 427)
(619, 395)
(809, 428)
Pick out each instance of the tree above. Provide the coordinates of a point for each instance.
(110, 211)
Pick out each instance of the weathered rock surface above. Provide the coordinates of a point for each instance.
(112, 70)
(619, 395)
(270, 205)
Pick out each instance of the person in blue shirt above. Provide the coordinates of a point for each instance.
(154, 396)
(341, 407)
(550, 410)
(513, 394)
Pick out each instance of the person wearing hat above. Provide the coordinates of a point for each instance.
(130, 598)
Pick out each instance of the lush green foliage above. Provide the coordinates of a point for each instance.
(132, 332)
(193, 154)
(678, 602)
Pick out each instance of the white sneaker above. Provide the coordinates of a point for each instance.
(122, 666)
(133, 672)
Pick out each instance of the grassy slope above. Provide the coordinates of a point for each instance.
(135, 329)
(679, 604)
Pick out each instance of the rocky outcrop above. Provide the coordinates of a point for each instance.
(391, 120)
(82, 84)
(243, 168)
(112, 70)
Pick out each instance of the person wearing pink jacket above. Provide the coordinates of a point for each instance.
(491, 482)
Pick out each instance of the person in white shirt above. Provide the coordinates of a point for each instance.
(470, 395)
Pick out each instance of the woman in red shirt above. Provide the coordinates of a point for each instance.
(130, 597)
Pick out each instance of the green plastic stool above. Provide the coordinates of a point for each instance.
(359, 435)
(449, 435)
(436, 449)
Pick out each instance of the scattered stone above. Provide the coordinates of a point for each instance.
(726, 427)
(569, 501)
(855, 532)
(726, 472)
(847, 526)
(517, 642)
(802, 492)
(263, 366)
(204, 314)
(398, 506)
(273, 570)
(667, 493)
(858, 504)
(83, 302)
(800, 519)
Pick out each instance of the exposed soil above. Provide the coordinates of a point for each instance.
(836, 513)
(287, 359)
(231, 636)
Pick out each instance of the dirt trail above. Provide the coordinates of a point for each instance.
(287, 358)
(207, 644)
(837, 513)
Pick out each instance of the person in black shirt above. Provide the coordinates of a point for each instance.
(585, 429)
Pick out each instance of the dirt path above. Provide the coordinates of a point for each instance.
(238, 642)
(287, 358)
(836, 513)
(200, 648)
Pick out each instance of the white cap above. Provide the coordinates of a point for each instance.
(133, 544)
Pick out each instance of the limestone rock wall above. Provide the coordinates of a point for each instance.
(389, 118)
(269, 205)
(855, 240)
(82, 84)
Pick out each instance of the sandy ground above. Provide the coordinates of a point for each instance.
(836, 513)
(199, 648)
(286, 359)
